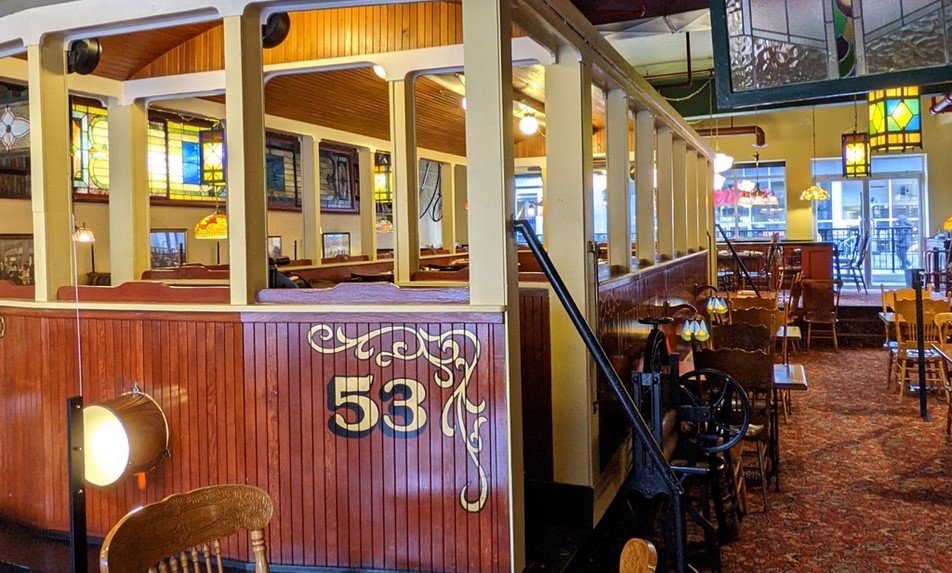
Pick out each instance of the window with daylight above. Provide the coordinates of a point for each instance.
(174, 158)
(752, 203)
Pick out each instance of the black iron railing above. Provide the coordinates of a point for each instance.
(640, 431)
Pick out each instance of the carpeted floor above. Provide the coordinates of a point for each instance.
(867, 485)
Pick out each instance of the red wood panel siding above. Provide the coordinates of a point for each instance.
(620, 304)
(249, 399)
(535, 350)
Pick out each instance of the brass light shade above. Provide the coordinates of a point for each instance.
(123, 436)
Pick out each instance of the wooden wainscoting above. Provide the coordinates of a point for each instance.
(273, 400)
(621, 303)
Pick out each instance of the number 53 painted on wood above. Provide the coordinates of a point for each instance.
(404, 415)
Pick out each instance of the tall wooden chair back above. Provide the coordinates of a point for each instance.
(906, 331)
(183, 532)
(769, 317)
(943, 320)
(743, 336)
(753, 370)
(821, 298)
(766, 300)
(638, 556)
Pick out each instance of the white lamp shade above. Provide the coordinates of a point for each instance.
(84, 235)
(529, 124)
(719, 181)
(722, 162)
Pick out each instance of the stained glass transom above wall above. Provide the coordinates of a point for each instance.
(174, 158)
(774, 43)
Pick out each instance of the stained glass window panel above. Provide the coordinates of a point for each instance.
(90, 146)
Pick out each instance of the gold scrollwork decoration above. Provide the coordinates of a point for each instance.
(3, 326)
(447, 351)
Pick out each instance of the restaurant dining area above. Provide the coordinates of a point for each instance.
(474, 286)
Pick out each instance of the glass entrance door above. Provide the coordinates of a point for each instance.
(886, 205)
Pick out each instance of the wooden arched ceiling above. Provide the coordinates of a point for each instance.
(328, 33)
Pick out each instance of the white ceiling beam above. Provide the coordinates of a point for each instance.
(397, 65)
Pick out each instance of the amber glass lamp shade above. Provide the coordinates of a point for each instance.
(214, 226)
(123, 436)
(895, 122)
(856, 155)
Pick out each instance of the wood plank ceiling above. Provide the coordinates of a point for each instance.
(352, 100)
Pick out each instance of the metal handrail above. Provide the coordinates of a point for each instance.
(737, 259)
(595, 348)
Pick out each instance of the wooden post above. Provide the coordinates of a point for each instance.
(129, 253)
(644, 187)
(311, 200)
(692, 222)
(679, 182)
(665, 195)
(406, 192)
(619, 193)
(368, 205)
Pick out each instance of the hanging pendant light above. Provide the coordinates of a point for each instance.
(213, 226)
(814, 192)
(856, 156)
(84, 235)
(895, 123)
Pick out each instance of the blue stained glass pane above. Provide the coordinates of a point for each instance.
(891, 106)
(191, 164)
(914, 124)
(275, 170)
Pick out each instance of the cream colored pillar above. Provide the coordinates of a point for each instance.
(129, 254)
(406, 192)
(244, 141)
(50, 166)
(568, 227)
(679, 182)
(368, 205)
(705, 202)
(461, 208)
(448, 206)
(691, 166)
(619, 201)
(665, 195)
(311, 200)
(644, 187)
(487, 57)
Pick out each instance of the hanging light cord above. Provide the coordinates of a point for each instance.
(855, 116)
(79, 335)
(813, 159)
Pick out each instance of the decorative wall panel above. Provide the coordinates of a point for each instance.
(381, 439)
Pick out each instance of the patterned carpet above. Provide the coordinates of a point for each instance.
(867, 485)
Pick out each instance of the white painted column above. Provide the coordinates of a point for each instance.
(244, 141)
(311, 200)
(705, 201)
(368, 206)
(448, 206)
(619, 203)
(50, 166)
(406, 191)
(679, 181)
(129, 253)
(644, 187)
(487, 57)
(568, 228)
(691, 165)
(665, 195)
(460, 209)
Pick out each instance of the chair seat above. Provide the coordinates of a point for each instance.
(791, 331)
(824, 317)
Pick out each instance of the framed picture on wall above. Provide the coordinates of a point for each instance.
(167, 247)
(336, 244)
(338, 179)
(274, 246)
(16, 258)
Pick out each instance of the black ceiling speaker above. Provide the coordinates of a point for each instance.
(275, 30)
(83, 56)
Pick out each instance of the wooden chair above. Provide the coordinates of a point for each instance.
(739, 302)
(754, 372)
(908, 347)
(821, 302)
(182, 532)
(856, 268)
(638, 556)
(743, 336)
